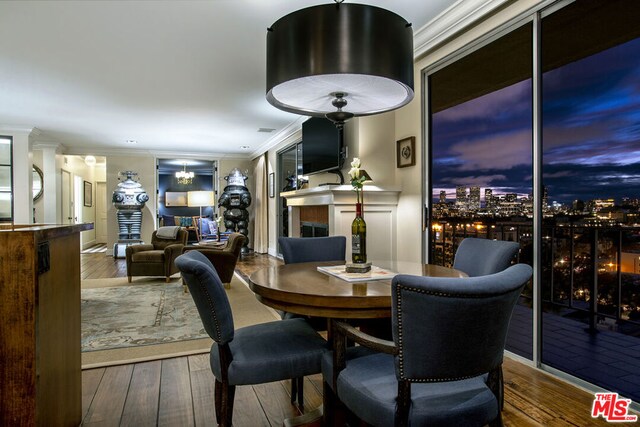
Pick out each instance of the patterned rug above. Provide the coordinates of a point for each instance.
(138, 315)
(149, 317)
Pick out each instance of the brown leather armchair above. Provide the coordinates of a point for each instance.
(157, 258)
(224, 259)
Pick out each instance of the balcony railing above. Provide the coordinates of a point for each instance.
(578, 262)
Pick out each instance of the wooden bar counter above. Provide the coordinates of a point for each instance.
(40, 365)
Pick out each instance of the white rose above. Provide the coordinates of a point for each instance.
(355, 163)
(354, 172)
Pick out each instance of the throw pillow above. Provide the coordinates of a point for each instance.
(213, 226)
(168, 220)
(204, 226)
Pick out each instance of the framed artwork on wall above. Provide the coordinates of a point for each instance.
(175, 198)
(88, 194)
(406, 152)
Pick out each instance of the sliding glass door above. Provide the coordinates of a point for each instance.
(591, 178)
(481, 159)
(480, 172)
(288, 170)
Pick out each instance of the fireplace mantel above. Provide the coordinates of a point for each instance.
(340, 195)
(380, 213)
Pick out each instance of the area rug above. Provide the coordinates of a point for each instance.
(150, 319)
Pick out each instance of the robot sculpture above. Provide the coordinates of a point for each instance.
(236, 199)
(128, 198)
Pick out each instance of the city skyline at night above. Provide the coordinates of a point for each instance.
(591, 133)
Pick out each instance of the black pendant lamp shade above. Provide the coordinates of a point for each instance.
(340, 60)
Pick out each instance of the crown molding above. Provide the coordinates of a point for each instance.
(126, 152)
(81, 151)
(56, 146)
(187, 155)
(20, 129)
(276, 139)
(454, 19)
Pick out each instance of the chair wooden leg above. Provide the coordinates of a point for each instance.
(334, 411)
(497, 422)
(501, 379)
(223, 397)
(218, 400)
(294, 390)
(300, 387)
(129, 279)
(228, 394)
(167, 279)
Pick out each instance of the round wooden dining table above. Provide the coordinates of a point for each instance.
(302, 289)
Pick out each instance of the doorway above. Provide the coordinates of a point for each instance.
(66, 201)
(172, 201)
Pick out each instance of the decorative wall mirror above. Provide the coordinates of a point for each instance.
(38, 183)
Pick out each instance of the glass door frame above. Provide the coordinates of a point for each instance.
(533, 16)
(296, 148)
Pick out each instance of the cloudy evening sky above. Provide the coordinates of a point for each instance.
(591, 135)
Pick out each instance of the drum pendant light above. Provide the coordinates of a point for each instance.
(340, 61)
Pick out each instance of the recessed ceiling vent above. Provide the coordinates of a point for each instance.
(266, 130)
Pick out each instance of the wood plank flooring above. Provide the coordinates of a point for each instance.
(179, 391)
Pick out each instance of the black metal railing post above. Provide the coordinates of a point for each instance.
(593, 297)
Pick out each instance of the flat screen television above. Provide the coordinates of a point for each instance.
(321, 146)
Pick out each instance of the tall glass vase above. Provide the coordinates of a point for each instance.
(359, 237)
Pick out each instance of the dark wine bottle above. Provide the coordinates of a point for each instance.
(359, 237)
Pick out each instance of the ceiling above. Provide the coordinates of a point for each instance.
(182, 77)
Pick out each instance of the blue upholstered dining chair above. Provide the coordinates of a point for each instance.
(443, 366)
(255, 354)
(313, 249)
(479, 257)
(310, 249)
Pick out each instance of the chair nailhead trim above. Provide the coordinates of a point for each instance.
(400, 332)
(451, 295)
(213, 311)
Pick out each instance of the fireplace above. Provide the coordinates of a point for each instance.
(313, 229)
(314, 221)
(329, 211)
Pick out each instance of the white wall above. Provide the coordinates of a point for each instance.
(77, 167)
(410, 208)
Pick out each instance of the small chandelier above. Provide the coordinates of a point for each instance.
(184, 177)
(340, 61)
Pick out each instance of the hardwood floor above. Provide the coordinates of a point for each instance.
(179, 391)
